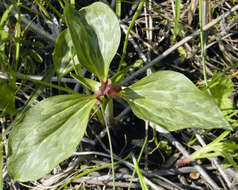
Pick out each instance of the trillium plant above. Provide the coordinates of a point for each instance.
(50, 131)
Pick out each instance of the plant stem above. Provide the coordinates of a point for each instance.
(107, 123)
(72, 2)
(118, 9)
(1, 161)
(112, 159)
(177, 15)
(202, 41)
(18, 33)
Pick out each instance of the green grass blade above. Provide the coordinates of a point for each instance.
(221, 137)
(35, 94)
(135, 16)
(208, 155)
(118, 9)
(138, 160)
(41, 6)
(141, 178)
(55, 10)
(87, 172)
(230, 159)
(30, 10)
(61, 3)
(5, 15)
(27, 26)
(18, 34)
(216, 147)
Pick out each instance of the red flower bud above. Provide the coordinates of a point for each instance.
(107, 88)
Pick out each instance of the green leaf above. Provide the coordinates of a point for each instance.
(48, 134)
(7, 96)
(89, 83)
(4, 36)
(96, 34)
(221, 88)
(63, 54)
(171, 100)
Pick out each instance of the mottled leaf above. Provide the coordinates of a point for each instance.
(96, 34)
(64, 56)
(48, 134)
(171, 100)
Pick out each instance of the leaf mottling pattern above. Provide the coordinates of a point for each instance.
(48, 134)
(96, 34)
(107, 28)
(171, 100)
